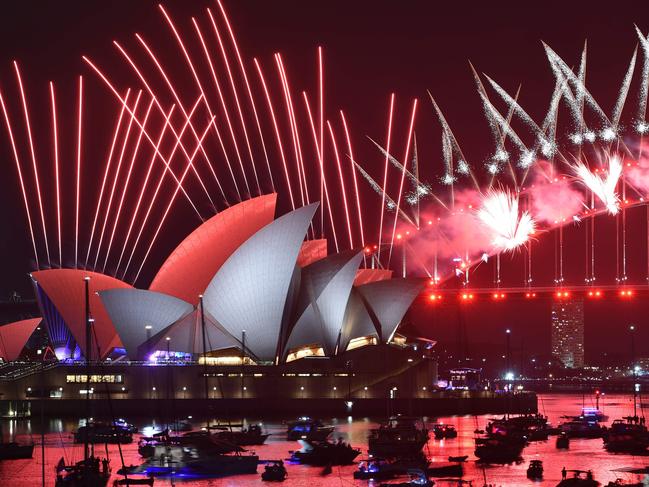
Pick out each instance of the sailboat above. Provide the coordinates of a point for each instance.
(629, 434)
(91, 471)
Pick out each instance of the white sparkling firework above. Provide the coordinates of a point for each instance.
(642, 127)
(527, 159)
(548, 149)
(462, 167)
(509, 227)
(576, 139)
(589, 136)
(412, 199)
(602, 186)
(448, 179)
(608, 134)
(501, 155)
(493, 168)
(424, 190)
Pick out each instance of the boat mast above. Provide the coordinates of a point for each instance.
(635, 392)
(88, 357)
(205, 359)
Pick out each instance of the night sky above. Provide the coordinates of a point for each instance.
(372, 48)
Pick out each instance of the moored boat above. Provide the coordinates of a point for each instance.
(444, 431)
(306, 428)
(535, 470)
(579, 478)
(274, 471)
(400, 436)
(628, 435)
(97, 432)
(321, 453)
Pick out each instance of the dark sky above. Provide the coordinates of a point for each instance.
(372, 48)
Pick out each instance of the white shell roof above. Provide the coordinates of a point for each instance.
(389, 300)
(357, 322)
(325, 289)
(186, 335)
(133, 310)
(249, 292)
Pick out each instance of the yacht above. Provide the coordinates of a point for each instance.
(400, 436)
(306, 428)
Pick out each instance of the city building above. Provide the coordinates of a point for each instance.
(568, 332)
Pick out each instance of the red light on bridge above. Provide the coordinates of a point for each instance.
(626, 293)
(562, 294)
(530, 295)
(467, 296)
(499, 296)
(594, 294)
(435, 297)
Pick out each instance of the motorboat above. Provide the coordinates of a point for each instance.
(594, 413)
(90, 472)
(578, 478)
(535, 470)
(96, 432)
(274, 471)
(417, 479)
(563, 441)
(534, 427)
(500, 447)
(250, 436)
(306, 428)
(321, 453)
(201, 439)
(444, 431)
(628, 435)
(375, 468)
(189, 461)
(400, 436)
(582, 427)
(123, 424)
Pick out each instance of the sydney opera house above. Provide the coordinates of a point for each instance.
(243, 307)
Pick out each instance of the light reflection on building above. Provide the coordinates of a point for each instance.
(568, 332)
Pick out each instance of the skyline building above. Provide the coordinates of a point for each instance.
(568, 332)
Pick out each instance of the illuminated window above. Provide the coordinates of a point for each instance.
(95, 378)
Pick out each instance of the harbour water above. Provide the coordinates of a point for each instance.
(584, 454)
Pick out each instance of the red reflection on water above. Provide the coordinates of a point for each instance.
(583, 454)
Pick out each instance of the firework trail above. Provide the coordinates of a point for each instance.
(390, 203)
(640, 123)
